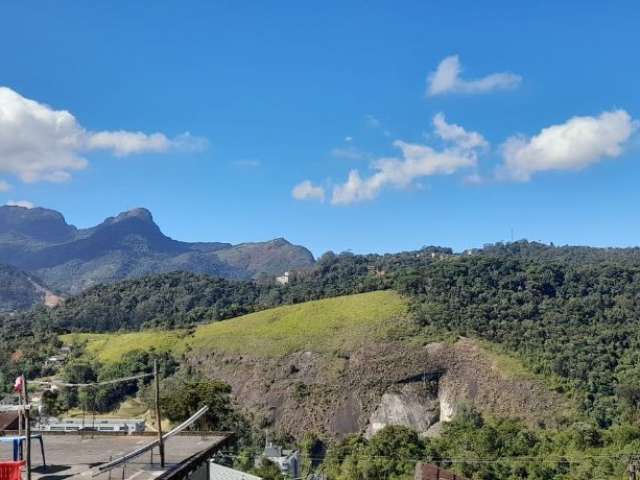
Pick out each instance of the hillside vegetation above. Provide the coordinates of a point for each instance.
(569, 316)
(17, 290)
(335, 324)
(571, 312)
(579, 322)
(293, 364)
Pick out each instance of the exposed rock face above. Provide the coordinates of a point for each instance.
(377, 385)
(413, 405)
(130, 245)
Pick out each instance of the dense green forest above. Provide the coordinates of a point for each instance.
(571, 313)
(571, 254)
(180, 299)
(579, 322)
(488, 449)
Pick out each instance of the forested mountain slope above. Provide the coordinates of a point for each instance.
(18, 290)
(577, 320)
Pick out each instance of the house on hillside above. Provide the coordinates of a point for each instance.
(428, 471)
(220, 472)
(288, 461)
(283, 279)
(54, 361)
(58, 359)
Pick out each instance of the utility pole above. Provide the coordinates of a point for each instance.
(27, 426)
(20, 413)
(633, 469)
(158, 418)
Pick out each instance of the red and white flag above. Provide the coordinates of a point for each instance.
(17, 386)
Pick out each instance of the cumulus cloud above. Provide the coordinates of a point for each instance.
(38, 143)
(20, 203)
(446, 79)
(416, 161)
(573, 145)
(4, 186)
(308, 191)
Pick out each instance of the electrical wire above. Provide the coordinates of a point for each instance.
(96, 384)
(462, 460)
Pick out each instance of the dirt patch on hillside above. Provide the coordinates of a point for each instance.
(338, 394)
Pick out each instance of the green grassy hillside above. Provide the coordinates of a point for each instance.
(333, 324)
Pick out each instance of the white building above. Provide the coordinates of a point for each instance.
(220, 472)
(288, 461)
(283, 279)
(99, 425)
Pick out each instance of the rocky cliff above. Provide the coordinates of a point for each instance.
(378, 385)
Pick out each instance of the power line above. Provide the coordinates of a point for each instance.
(96, 384)
(453, 460)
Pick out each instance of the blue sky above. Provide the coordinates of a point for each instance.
(211, 113)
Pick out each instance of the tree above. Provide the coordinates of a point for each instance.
(182, 396)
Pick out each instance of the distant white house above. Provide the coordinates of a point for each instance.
(59, 358)
(55, 360)
(220, 472)
(283, 279)
(288, 461)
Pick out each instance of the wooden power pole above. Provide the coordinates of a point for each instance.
(27, 424)
(633, 469)
(156, 379)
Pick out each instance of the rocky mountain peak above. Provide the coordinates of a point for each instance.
(37, 223)
(141, 214)
(128, 245)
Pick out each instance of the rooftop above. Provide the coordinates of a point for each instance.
(76, 454)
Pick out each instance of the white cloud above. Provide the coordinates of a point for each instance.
(38, 143)
(4, 186)
(573, 145)
(372, 122)
(455, 133)
(20, 203)
(308, 191)
(124, 143)
(350, 153)
(446, 79)
(417, 161)
(474, 179)
(355, 189)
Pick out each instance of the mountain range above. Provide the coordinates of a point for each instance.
(68, 260)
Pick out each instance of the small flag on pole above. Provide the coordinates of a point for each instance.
(17, 386)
